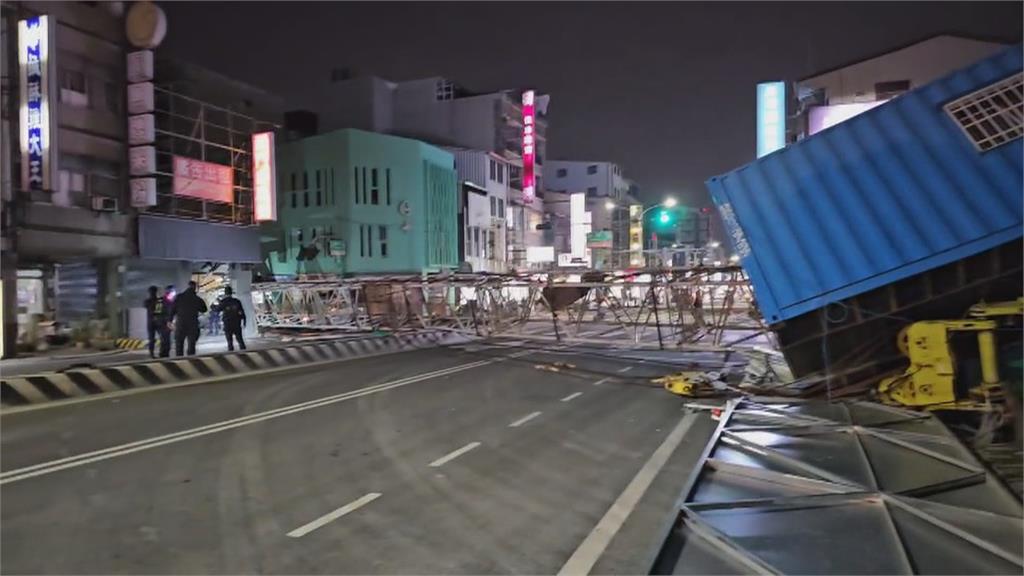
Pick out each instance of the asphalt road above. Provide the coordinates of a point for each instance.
(429, 462)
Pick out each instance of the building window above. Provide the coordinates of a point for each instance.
(561, 173)
(317, 178)
(305, 199)
(445, 90)
(592, 191)
(494, 207)
(387, 185)
(476, 241)
(112, 97)
(73, 88)
(382, 237)
(369, 241)
(374, 190)
(305, 180)
(355, 187)
(494, 170)
(501, 173)
(501, 208)
(886, 90)
(362, 246)
(364, 185)
(332, 187)
(319, 199)
(295, 200)
(294, 181)
(991, 116)
(592, 169)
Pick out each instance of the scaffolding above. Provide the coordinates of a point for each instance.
(656, 308)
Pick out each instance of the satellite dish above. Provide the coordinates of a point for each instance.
(145, 25)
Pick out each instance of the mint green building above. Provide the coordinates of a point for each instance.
(351, 202)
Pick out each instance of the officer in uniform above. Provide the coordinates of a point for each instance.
(185, 311)
(233, 314)
(156, 323)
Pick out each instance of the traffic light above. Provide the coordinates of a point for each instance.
(664, 217)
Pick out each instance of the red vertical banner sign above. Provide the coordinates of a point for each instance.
(529, 156)
(264, 178)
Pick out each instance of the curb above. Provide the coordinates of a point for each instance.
(56, 386)
(130, 343)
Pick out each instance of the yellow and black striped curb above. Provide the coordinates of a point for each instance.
(130, 343)
(51, 386)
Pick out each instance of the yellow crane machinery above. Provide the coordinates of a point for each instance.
(954, 364)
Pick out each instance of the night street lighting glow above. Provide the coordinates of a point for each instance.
(669, 202)
(664, 217)
(714, 244)
(734, 258)
(609, 205)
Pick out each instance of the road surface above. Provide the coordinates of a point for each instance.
(453, 461)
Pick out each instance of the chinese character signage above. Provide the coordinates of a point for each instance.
(141, 160)
(143, 191)
(141, 129)
(771, 117)
(140, 66)
(529, 191)
(203, 180)
(264, 178)
(36, 63)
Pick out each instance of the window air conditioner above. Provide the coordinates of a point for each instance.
(104, 204)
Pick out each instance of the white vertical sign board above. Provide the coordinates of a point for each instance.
(141, 160)
(37, 68)
(143, 192)
(141, 129)
(140, 98)
(140, 66)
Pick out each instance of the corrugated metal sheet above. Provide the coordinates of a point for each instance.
(886, 195)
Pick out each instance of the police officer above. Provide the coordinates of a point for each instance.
(156, 323)
(234, 318)
(185, 311)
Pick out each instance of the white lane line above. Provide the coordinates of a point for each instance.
(583, 559)
(524, 419)
(625, 369)
(453, 455)
(123, 449)
(332, 516)
(602, 381)
(571, 396)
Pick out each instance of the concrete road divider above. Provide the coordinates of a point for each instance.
(51, 386)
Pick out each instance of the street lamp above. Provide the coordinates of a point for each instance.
(714, 244)
(668, 202)
(609, 205)
(734, 258)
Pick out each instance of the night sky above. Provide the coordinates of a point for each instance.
(665, 89)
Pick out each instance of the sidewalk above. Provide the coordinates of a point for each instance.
(69, 357)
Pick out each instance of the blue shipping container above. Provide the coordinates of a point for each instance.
(886, 195)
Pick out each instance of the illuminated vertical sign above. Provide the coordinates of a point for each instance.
(264, 178)
(771, 117)
(577, 225)
(35, 62)
(529, 190)
(636, 232)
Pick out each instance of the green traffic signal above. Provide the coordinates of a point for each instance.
(664, 217)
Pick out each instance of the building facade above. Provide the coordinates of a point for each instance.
(353, 202)
(63, 235)
(835, 95)
(438, 111)
(483, 179)
(608, 201)
(78, 247)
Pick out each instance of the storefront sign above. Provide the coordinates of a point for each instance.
(141, 129)
(529, 156)
(140, 98)
(141, 160)
(36, 65)
(771, 117)
(140, 66)
(143, 192)
(204, 180)
(264, 177)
